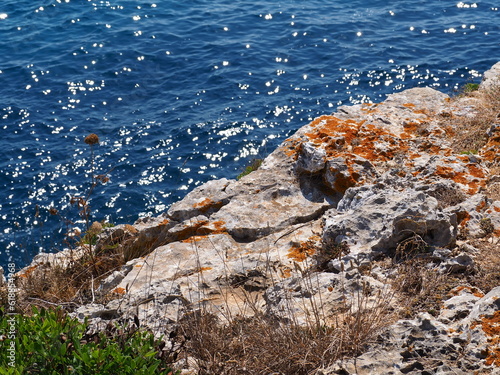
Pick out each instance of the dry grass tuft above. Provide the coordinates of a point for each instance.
(259, 345)
(70, 286)
(421, 287)
(446, 195)
(493, 188)
(488, 263)
(471, 131)
(74, 284)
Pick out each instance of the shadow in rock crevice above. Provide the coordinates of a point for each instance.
(314, 189)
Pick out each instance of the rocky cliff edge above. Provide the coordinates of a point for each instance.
(333, 212)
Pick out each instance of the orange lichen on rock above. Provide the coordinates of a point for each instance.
(491, 327)
(164, 222)
(189, 230)
(490, 155)
(326, 127)
(422, 111)
(413, 155)
(28, 271)
(445, 172)
(342, 183)
(473, 181)
(214, 227)
(481, 206)
(475, 171)
(462, 218)
(207, 204)
(286, 272)
(303, 250)
(219, 226)
(201, 232)
(474, 291)
(344, 179)
(410, 129)
(369, 108)
(490, 151)
(494, 140)
(119, 290)
(194, 239)
(291, 147)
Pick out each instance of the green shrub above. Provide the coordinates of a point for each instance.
(471, 152)
(470, 87)
(50, 342)
(256, 163)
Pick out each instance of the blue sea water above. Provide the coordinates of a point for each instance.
(181, 92)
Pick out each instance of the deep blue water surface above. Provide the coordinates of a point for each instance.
(181, 92)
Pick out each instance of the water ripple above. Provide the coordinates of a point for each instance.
(183, 92)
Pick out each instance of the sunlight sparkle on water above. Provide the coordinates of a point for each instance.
(180, 101)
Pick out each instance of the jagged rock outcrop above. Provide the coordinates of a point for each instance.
(371, 181)
(462, 339)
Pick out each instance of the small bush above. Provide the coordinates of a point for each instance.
(256, 163)
(488, 264)
(470, 87)
(50, 342)
(328, 251)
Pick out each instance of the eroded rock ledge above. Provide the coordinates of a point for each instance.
(373, 179)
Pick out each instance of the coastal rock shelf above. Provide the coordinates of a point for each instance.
(318, 221)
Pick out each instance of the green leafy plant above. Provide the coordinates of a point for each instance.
(50, 342)
(92, 234)
(256, 163)
(470, 152)
(470, 87)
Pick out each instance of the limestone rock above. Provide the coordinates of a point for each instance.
(491, 77)
(322, 295)
(379, 217)
(203, 200)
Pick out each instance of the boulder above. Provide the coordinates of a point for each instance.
(379, 217)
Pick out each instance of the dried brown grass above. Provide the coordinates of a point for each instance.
(488, 263)
(470, 131)
(421, 288)
(74, 284)
(493, 187)
(260, 344)
(70, 286)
